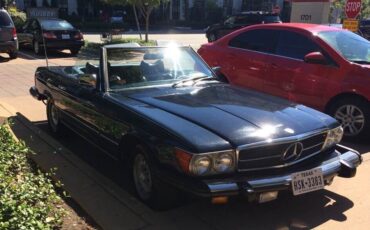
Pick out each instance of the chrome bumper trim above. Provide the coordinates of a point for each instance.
(330, 168)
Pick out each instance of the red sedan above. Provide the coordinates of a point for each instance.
(320, 66)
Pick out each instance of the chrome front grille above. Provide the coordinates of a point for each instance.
(271, 155)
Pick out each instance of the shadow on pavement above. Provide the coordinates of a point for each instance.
(288, 212)
(52, 54)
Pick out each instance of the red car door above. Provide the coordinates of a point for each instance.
(289, 76)
(246, 57)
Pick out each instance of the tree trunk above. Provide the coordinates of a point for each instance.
(137, 21)
(147, 27)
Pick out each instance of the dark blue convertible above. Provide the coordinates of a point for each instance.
(175, 125)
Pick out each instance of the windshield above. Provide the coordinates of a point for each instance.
(153, 66)
(55, 25)
(350, 45)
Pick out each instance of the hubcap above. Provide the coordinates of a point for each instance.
(352, 119)
(142, 177)
(54, 115)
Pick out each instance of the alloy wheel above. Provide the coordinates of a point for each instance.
(142, 177)
(54, 114)
(352, 119)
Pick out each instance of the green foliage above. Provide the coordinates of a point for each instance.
(27, 196)
(19, 18)
(92, 46)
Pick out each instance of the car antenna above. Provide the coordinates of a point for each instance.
(44, 42)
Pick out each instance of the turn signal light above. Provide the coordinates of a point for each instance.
(183, 158)
(220, 200)
(79, 36)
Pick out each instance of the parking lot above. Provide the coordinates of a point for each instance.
(342, 205)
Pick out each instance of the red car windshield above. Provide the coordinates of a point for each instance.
(350, 45)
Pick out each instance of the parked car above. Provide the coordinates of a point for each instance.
(320, 66)
(117, 16)
(238, 21)
(57, 34)
(365, 28)
(8, 35)
(163, 112)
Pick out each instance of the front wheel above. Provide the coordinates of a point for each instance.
(13, 54)
(53, 116)
(212, 37)
(147, 185)
(37, 48)
(354, 116)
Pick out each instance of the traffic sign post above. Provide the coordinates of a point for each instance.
(351, 24)
(352, 8)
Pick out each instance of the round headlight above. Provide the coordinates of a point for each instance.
(201, 165)
(223, 163)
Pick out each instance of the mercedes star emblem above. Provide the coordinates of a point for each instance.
(293, 151)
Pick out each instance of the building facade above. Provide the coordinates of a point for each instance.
(68, 6)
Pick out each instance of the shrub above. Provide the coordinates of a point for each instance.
(93, 46)
(19, 18)
(27, 197)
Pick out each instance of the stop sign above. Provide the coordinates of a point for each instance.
(352, 8)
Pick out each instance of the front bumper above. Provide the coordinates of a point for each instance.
(35, 94)
(341, 162)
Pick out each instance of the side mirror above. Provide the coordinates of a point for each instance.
(315, 58)
(88, 80)
(220, 76)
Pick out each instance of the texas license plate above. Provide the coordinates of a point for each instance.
(65, 36)
(307, 181)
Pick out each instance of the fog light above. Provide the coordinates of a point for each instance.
(267, 196)
(220, 200)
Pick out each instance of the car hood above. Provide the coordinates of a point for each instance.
(237, 115)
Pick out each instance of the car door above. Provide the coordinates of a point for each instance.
(290, 76)
(246, 56)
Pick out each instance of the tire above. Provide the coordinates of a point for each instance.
(148, 187)
(13, 54)
(354, 115)
(212, 37)
(74, 52)
(37, 48)
(54, 121)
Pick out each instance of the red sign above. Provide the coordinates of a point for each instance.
(352, 8)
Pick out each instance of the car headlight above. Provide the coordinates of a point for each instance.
(212, 163)
(201, 165)
(333, 137)
(223, 162)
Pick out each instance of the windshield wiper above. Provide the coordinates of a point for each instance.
(195, 80)
(360, 61)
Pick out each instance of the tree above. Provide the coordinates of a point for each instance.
(124, 2)
(145, 8)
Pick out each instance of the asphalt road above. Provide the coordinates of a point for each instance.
(343, 205)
